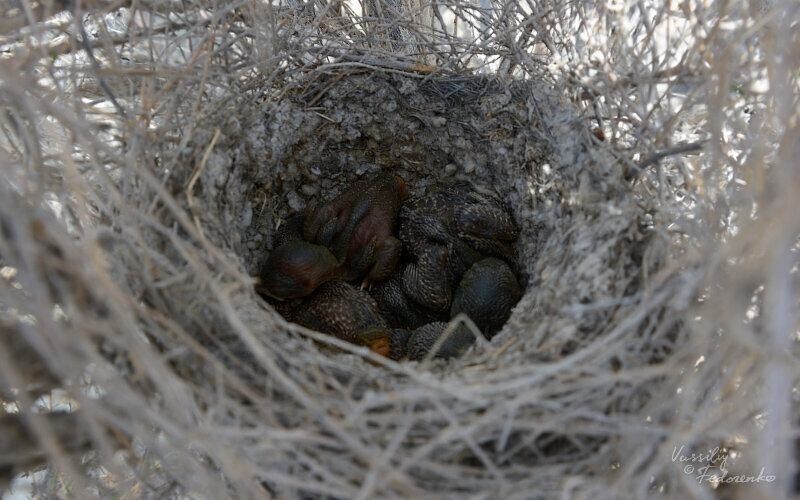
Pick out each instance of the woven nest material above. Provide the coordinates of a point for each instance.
(130, 235)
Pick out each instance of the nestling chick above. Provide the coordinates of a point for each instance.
(446, 232)
(357, 227)
(398, 309)
(487, 292)
(295, 268)
(426, 280)
(337, 308)
(291, 230)
(461, 211)
(397, 343)
(424, 339)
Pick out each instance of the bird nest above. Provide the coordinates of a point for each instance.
(586, 246)
(132, 233)
(315, 142)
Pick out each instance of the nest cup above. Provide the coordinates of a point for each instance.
(585, 239)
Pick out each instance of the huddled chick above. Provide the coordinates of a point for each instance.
(348, 238)
(357, 226)
(460, 259)
(486, 294)
(426, 341)
(295, 268)
(344, 311)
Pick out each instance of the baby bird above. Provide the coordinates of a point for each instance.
(337, 308)
(291, 230)
(398, 309)
(426, 280)
(397, 343)
(295, 268)
(487, 292)
(461, 210)
(424, 339)
(357, 227)
(446, 232)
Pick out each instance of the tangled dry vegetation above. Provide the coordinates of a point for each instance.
(649, 155)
